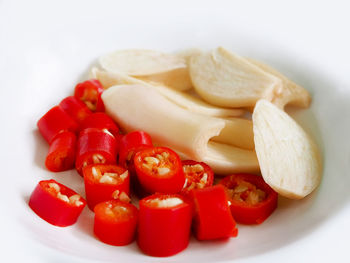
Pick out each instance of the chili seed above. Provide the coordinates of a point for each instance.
(163, 170)
(151, 160)
(94, 172)
(98, 158)
(124, 197)
(63, 197)
(124, 175)
(115, 194)
(55, 186)
(107, 179)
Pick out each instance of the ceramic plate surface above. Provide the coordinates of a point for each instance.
(46, 47)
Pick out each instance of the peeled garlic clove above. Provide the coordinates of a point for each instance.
(182, 99)
(140, 62)
(109, 79)
(149, 65)
(197, 105)
(227, 159)
(186, 54)
(167, 123)
(289, 160)
(178, 79)
(237, 132)
(225, 79)
(290, 94)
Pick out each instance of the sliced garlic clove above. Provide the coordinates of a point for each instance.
(291, 94)
(178, 79)
(225, 79)
(289, 160)
(149, 65)
(186, 54)
(183, 100)
(140, 62)
(197, 105)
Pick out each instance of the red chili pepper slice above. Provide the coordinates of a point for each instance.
(115, 222)
(164, 224)
(251, 199)
(75, 108)
(55, 121)
(90, 92)
(56, 203)
(130, 144)
(95, 146)
(100, 120)
(198, 175)
(213, 219)
(61, 155)
(104, 182)
(159, 169)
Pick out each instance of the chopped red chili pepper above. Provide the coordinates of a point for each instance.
(164, 224)
(104, 182)
(95, 146)
(115, 222)
(251, 199)
(61, 155)
(55, 121)
(213, 219)
(56, 203)
(130, 144)
(159, 169)
(100, 120)
(198, 175)
(90, 92)
(75, 108)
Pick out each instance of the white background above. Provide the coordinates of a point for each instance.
(47, 46)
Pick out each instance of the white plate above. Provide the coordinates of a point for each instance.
(46, 47)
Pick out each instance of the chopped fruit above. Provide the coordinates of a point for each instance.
(56, 203)
(100, 120)
(246, 192)
(90, 92)
(95, 147)
(104, 182)
(251, 199)
(213, 219)
(158, 163)
(54, 122)
(130, 144)
(115, 222)
(198, 175)
(76, 109)
(164, 224)
(168, 202)
(159, 169)
(61, 155)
